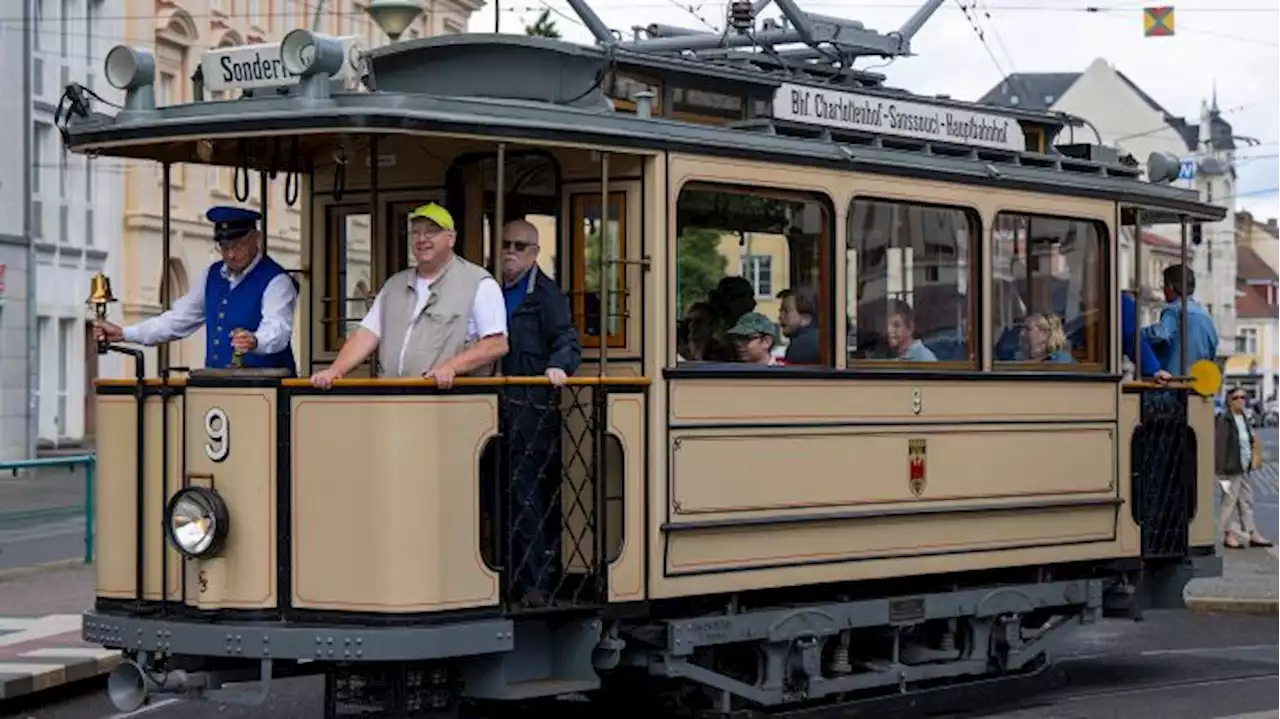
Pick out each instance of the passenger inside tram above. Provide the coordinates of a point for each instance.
(753, 335)
(1044, 340)
(900, 335)
(696, 337)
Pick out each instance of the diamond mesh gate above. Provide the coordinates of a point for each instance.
(1164, 459)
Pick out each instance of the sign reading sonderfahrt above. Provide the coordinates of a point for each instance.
(890, 116)
(247, 67)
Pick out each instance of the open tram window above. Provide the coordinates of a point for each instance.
(909, 296)
(743, 250)
(1049, 302)
(588, 229)
(348, 286)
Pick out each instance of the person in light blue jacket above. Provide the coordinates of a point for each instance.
(1166, 337)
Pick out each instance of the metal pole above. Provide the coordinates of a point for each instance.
(166, 230)
(602, 268)
(315, 18)
(90, 468)
(1182, 315)
(264, 193)
(499, 213)
(1137, 297)
(497, 16)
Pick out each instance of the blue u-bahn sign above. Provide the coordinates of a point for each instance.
(1187, 170)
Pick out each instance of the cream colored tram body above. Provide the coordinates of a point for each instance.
(848, 527)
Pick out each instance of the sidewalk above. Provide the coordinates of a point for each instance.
(40, 645)
(1248, 584)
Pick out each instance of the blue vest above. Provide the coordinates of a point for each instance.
(227, 309)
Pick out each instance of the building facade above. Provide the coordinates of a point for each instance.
(1126, 117)
(73, 211)
(179, 32)
(15, 369)
(1256, 363)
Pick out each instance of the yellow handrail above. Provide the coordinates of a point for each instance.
(474, 382)
(412, 382)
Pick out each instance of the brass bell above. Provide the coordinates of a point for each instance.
(100, 291)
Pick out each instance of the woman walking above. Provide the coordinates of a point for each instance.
(1236, 453)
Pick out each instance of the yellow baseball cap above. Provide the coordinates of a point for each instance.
(435, 213)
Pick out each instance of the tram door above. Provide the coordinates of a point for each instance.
(1171, 489)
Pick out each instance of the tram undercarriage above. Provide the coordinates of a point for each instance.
(754, 661)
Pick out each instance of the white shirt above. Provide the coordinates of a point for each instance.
(488, 313)
(187, 314)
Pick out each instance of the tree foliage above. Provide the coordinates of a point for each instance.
(699, 266)
(544, 26)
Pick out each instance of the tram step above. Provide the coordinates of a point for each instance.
(535, 688)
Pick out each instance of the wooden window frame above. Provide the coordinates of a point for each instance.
(826, 275)
(332, 304)
(578, 269)
(1100, 333)
(973, 332)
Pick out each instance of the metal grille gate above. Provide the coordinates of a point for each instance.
(1164, 458)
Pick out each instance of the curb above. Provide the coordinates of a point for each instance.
(57, 675)
(56, 565)
(1226, 605)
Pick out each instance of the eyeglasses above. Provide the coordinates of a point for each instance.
(1235, 397)
(517, 246)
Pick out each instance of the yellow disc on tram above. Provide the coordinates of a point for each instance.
(1206, 378)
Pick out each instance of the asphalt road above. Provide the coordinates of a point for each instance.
(1174, 665)
(1265, 486)
(41, 516)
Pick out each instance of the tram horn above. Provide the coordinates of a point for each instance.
(128, 686)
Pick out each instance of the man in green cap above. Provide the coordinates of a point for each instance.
(442, 318)
(753, 335)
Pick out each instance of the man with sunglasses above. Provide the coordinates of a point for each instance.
(544, 342)
(245, 303)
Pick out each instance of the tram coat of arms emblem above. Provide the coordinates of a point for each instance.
(916, 466)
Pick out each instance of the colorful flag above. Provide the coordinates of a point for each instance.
(1157, 21)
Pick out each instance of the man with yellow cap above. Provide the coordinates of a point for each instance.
(442, 318)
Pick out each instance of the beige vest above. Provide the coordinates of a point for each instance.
(440, 331)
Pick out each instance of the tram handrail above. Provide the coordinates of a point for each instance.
(409, 382)
(477, 382)
(90, 462)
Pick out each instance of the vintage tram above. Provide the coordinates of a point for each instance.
(732, 537)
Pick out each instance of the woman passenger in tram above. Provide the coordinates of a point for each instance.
(697, 340)
(1045, 339)
(900, 335)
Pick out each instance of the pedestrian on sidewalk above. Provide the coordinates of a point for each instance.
(1236, 453)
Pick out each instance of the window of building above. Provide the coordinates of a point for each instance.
(910, 269)
(1049, 303)
(166, 90)
(1247, 341)
(67, 330)
(758, 269)
(737, 250)
(64, 31)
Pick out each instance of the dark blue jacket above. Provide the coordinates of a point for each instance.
(1128, 326)
(540, 331)
(227, 309)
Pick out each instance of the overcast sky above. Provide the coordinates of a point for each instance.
(1232, 42)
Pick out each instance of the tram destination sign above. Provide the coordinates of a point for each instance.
(247, 67)
(890, 116)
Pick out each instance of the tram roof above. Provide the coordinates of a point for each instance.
(525, 88)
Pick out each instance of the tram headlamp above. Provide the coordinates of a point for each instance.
(305, 53)
(134, 71)
(196, 521)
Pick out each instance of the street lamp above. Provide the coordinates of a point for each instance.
(394, 16)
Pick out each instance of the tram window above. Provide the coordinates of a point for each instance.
(348, 283)
(1049, 301)
(587, 232)
(910, 270)
(742, 251)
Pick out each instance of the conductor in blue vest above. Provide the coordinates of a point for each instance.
(245, 303)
